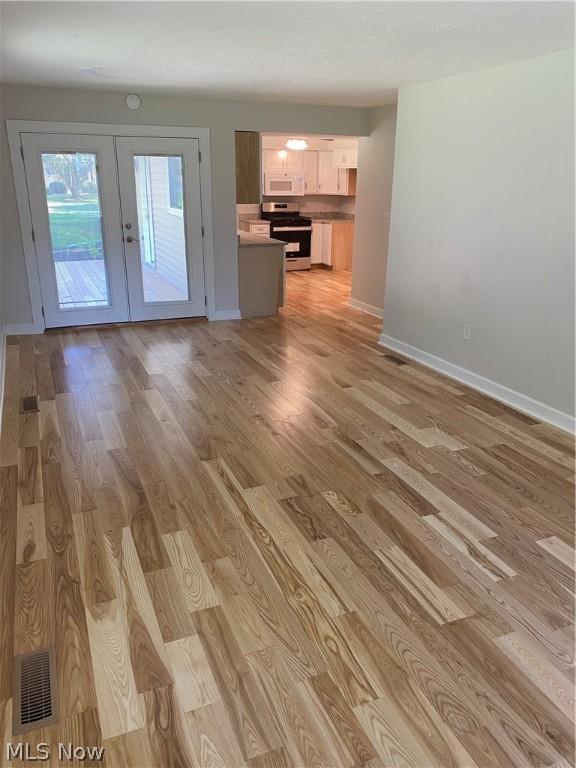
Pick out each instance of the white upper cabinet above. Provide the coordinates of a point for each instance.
(345, 158)
(310, 168)
(327, 174)
(289, 164)
(294, 160)
(272, 162)
(342, 181)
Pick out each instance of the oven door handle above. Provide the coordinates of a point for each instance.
(290, 229)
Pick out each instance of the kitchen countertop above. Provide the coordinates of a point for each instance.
(329, 217)
(245, 239)
(253, 218)
(320, 216)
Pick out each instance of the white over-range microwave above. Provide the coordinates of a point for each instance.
(279, 184)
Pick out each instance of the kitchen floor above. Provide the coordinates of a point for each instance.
(325, 287)
(272, 542)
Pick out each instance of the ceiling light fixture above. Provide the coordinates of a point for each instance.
(297, 144)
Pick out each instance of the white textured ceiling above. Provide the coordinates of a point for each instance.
(352, 53)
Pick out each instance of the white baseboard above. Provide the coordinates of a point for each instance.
(517, 400)
(370, 309)
(225, 314)
(20, 329)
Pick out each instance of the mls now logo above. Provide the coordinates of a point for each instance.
(26, 751)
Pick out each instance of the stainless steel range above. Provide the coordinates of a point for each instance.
(296, 231)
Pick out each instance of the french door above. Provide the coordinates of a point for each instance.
(117, 227)
(75, 206)
(162, 220)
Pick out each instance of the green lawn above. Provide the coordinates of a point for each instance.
(75, 223)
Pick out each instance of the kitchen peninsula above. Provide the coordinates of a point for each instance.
(261, 274)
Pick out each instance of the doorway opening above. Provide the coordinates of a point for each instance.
(301, 190)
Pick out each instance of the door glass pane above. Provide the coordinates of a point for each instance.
(160, 203)
(75, 219)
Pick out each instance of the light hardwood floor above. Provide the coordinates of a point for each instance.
(271, 543)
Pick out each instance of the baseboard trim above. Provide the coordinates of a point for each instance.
(20, 329)
(225, 314)
(506, 395)
(370, 309)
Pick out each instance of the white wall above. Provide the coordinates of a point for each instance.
(2, 321)
(482, 225)
(222, 117)
(372, 215)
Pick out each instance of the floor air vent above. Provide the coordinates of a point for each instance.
(29, 404)
(34, 690)
(396, 360)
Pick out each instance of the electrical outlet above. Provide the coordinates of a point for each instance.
(467, 332)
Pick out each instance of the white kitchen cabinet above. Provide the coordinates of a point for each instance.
(321, 174)
(310, 169)
(327, 174)
(255, 228)
(327, 245)
(289, 164)
(345, 158)
(317, 242)
(293, 160)
(347, 181)
(271, 161)
(260, 229)
(342, 181)
(321, 249)
(333, 244)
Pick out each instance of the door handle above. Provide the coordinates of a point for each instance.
(131, 239)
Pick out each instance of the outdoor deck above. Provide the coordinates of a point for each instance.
(82, 284)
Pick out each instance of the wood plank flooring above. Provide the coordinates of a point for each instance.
(273, 543)
(82, 283)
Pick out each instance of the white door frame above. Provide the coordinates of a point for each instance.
(17, 127)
